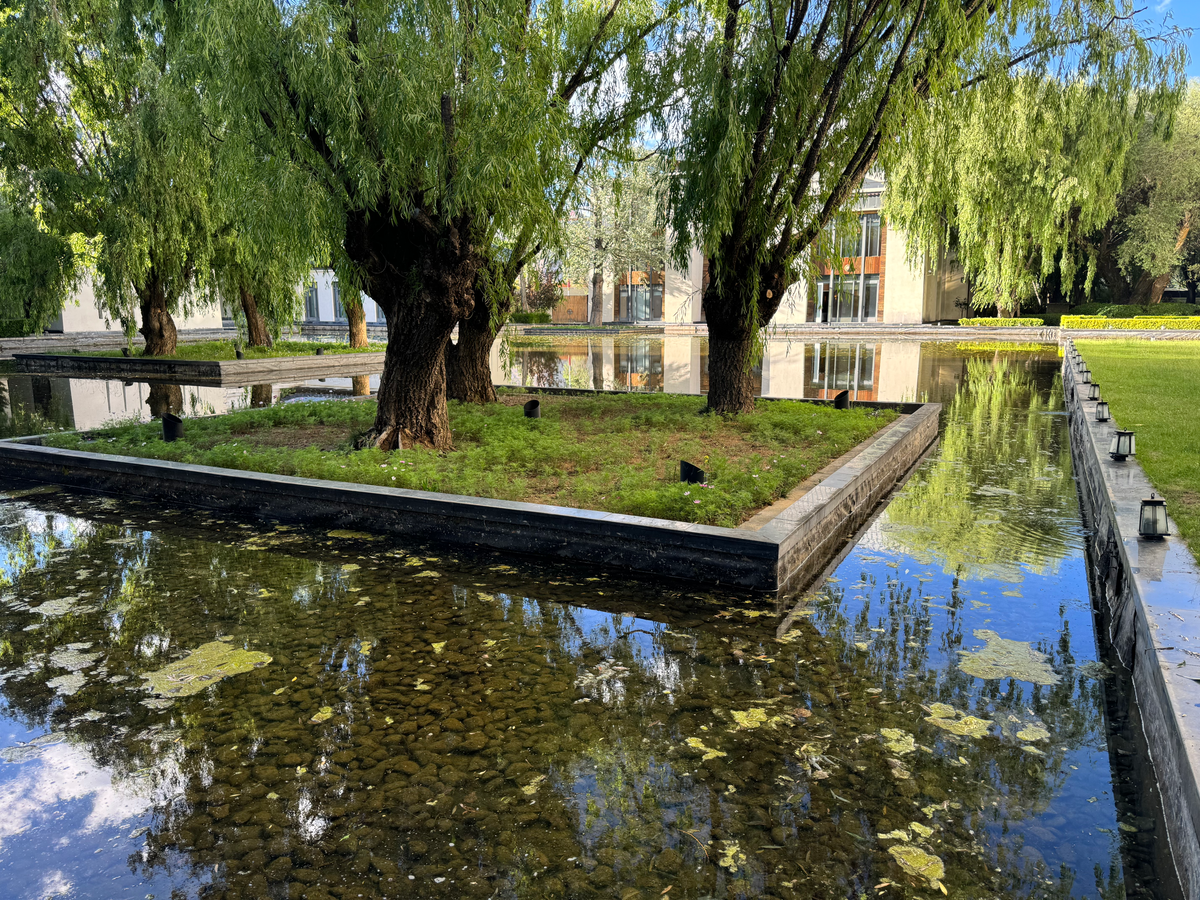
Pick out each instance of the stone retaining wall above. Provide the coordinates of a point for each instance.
(1148, 593)
(227, 372)
(791, 548)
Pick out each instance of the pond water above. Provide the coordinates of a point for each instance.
(195, 706)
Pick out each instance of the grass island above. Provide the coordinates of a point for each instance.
(603, 452)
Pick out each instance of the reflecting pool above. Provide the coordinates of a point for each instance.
(195, 706)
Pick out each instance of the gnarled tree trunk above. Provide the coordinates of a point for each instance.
(158, 328)
(257, 332)
(356, 317)
(1160, 284)
(733, 323)
(164, 398)
(421, 274)
(468, 362)
(261, 395)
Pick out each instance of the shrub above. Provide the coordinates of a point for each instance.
(530, 318)
(1141, 323)
(1129, 310)
(13, 328)
(1003, 323)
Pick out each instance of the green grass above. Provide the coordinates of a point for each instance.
(614, 453)
(1151, 388)
(216, 350)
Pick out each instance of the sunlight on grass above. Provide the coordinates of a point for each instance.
(1152, 388)
(615, 453)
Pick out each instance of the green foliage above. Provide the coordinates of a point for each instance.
(225, 350)
(1003, 323)
(13, 328)
(1138, 323)
(1129, 310)
(38, 270)
(1151, 387)
(530, 318)
(615, 453)
(1164, 183)
(1011, 173)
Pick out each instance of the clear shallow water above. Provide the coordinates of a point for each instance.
(437, 725)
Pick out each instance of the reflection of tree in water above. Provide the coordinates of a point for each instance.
(998, 496)
(163, 399)
(522, 747)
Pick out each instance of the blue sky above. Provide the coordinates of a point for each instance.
(1185, 14)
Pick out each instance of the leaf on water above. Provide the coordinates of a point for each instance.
(898, 741)
(532, 788)
(365, 647)
(206, 665)
(1002, 658)
(709, 752)
(389, 720)
(732, 857)
(323, 715)
(350, 567)
(438, 647)
(917, 862)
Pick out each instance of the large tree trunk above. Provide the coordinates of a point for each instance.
(157, 326)
(261, 395)
(468, 362)
(1160, 284)
(730, 385)
(356, 317)
(256, 326)
(164, 398)
(421, 273)
(597, 297)
(360, 385)
(734, 319)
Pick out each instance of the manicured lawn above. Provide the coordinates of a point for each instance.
(214, 350)
(614, 453)
(1152, 387)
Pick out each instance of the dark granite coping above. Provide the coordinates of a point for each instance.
(231, 372)
(657, 547)
(1165, 582)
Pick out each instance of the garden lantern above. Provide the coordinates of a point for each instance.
(1123, 445)
(1086, 376)
(1102, 411)
(1152, 523)
(1094, 391)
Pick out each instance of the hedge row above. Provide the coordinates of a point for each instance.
(530, 318)
(1140, 323)
(1003, 323)
(12, 328)
(1129, 310)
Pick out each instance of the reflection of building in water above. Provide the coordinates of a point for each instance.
(84, 404)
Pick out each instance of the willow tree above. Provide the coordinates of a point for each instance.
(792, 102)
(614, 66)
(91, 119)
(1012, 174)
(398, 126)
(38, 268)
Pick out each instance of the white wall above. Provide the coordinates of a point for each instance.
(324, 279)
(904, 284)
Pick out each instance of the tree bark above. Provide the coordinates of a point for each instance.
(597, 297)
(421, 273)
(730, 385)
(261, 395)
(360, 385)
(356, 317)
(157, 326)
(1160, 284)
(257, 332)
(468, 362)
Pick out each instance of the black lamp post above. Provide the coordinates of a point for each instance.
(1152, 523)
(1123, 445)
(1102, 411)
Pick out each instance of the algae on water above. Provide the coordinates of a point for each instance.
(1002, 658)
(920, 864)
(898, 741)
(967, 726)
(207, 664)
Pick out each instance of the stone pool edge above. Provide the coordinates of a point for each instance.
(776, 558)
(204, 372)
(1149, 592)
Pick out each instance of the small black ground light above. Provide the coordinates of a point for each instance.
(533, 409)
(842, 400)
(172, 427)
(1152, 523)
(689, 474)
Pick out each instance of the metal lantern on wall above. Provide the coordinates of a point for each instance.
(1094, 391)
(1102, 411)
(1152, 523)
(1086, 376)
(1123, 445)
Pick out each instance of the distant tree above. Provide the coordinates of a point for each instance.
(617, 225)
(789, 104)
(1010, 175)
(1160, 226)
(91, 117)
(544, 278)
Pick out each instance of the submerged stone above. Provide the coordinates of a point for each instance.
(207, 664)
(1002, 658)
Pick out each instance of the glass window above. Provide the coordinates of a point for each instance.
(312, 311)
(871, 297)
(339, 314)
(871, 234)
